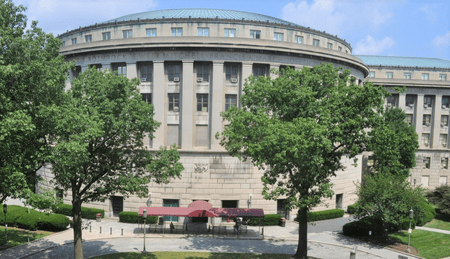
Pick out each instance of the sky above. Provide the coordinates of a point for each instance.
(391, 28)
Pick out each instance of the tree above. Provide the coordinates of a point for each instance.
(32, 76)
(99, 143)
(297, 127)
(440, 196)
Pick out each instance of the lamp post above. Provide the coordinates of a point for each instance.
(144, 215)
(411, 216)
(250, 200)
(6, 222)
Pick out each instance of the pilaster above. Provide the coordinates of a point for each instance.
(217, 106)
(436, 121)
(188, 101)
(131, 70)
(159, 97)
(419, 117)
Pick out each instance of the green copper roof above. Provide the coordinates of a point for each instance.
(201, 13)
(404, 61)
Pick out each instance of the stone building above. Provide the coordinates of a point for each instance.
(192, 64)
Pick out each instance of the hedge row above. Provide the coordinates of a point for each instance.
(87, 213)
(268, 220)
(325, 214)
(132, 217)
(351, 209)
(363, 226)
(18, 216)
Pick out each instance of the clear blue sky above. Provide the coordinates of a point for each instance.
(392, 28)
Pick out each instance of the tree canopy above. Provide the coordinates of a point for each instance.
(99, 147)
(32, 77)
(297, 127)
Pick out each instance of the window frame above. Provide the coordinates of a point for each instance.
(389, 75)
(255, 34)
(444, 162)
(428, 101)
(74, 41)
(121, 69)
(88, 38)
(427, 162)
(147, 97)
(176, 31)
(407, 75)
(426, 76)
(329, 45)
(174, 102)
(443, 77)
(444, 120)
(340, 48)
(147, 70)
(200, 69)
(443, 139)
(426, 121)
(149, 32)
(228, 34)
(426, 139)
(204, 30)
(173, 70)
(278, 36)
(106, 35)
(231, 72)
(371, 74)
(202, 102)
(297, 37)
(127, 34)
(409, 118)
(410, 101)
(316, 42)
(230, 100)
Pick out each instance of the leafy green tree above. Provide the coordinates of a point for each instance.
(32, 76)
(394, 144)
(99, 143)
(440, 197)
(297, 127)
(43, 201)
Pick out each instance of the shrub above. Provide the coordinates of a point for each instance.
(132, 217)
(53, 222)
(362, 228)
(29, 221)
(18, 216)
(268, 220)
(428, 214)
(13, 213)
(325, 214)
(351, 209)
(88, 213)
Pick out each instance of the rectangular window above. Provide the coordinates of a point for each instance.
(299, 39)
(202, 102)
(443, 138)
(444, 120)
(426, 120)
(340, 49)
(150, 32)
(443, 77)
(203, 32)
(76, 71)
(409, 118)
(178, 31)
(106, 35)
(427, 102)
(444, 162)
(171, 203)
(230, 33)
(174, 102)
(146, 97)
(278, 36)
(390, 75)
(410, 101)
(63, 43)
(173, 72)
(372, 74)
(425, 76)
(230, 100)
(329, 45)
(392, 100)
(316, 42)
(146, 72)
(127, 34)
(407, 76)
(88, 38)
(231, 73)
(427, 162)
(260, 70)
(203, 72)
(74, 41)
(228, 204)
(445, 102)
(97, 66)
(426, 139)
(121, 69)
(255, 34)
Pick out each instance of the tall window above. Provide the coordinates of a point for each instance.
(74, 41)
(63, 43)
(76, 71)
(203, 32)
(121, 69)
(146, 72)
(339, 48)
(173, 71)
(444, 163)
(426, 120)
(392, 100)
(445, 102)
(178, 31)
(88, 38)
(146, 97)
(427, 102)
(425, 76)
(298, 39)
(260, 70)
(372, 74)
(231, 72)
(443, 77)
(255, 34)
(174, 102)
(278, 36)
(426, 139)
(426, 162)
(202, 102)
(409, 118)
(203, 72)
(316, 42)
(410, 101)
(230, 33)
(444, 120)
(127, 34)
(407, 75)
(150, 32)
(443, 139)
(106, 35)
(389, 74)
(230, 100)
(329, 45)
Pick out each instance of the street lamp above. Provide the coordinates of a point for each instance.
(411, 216)
(250, 200)
(144, 215)
(149, 201)
(6, 222)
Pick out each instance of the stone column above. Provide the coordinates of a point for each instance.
(217, 106)
(402, 101)
(188, 101)
(159, 102)
(436, 124)
(106, 66)
(131, 70)
(247, 70)
(277, 67)
(419, 117)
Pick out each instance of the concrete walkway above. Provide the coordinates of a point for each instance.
(434, 230)
(321, 244)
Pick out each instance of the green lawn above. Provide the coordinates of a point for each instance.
(18, 236)
(192, 255)
(440, 222)
(431, 245)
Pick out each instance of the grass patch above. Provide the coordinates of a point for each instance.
(17, 236)
(430, 245)
(193, 255)
(440, 222)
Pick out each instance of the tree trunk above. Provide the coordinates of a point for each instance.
(77, 238)
(302, 248)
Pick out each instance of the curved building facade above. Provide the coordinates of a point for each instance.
(192, 64)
